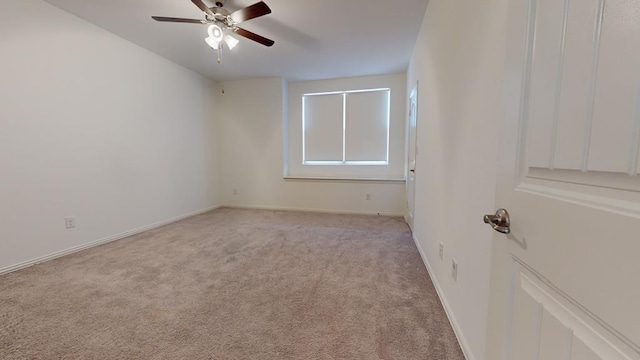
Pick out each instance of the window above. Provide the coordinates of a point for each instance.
(346, 127)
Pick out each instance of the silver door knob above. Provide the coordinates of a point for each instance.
(500, 222)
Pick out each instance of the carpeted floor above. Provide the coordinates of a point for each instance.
(233, 284)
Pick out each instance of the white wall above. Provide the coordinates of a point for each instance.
(251, 128)
(94, 127)
(458, 62)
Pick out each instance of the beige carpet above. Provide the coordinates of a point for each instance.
(233, 284)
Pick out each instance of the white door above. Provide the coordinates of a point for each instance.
(411, 156)
(566, 281)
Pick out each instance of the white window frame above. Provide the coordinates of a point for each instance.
(344, 128)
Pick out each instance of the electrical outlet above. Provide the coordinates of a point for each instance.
(235, 191)
(70, 222)
(441, 253)
(368, 196)
(454, 269)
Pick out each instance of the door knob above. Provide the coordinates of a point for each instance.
(500, 222)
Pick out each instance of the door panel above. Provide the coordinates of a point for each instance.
(576, 86)
(555, 328)
(617, 92)
(411, 153)
(580, 351)
(574, 197)
(555, 338)
(525, 327)
(545, 69)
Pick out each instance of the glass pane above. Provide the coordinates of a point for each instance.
(367, 128)
(323, 124)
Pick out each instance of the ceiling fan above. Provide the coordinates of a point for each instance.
(220, 19)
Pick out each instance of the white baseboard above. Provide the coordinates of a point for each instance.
(329, 211)
(447, 308)
(94, 243)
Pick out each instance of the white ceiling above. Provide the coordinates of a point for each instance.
(314, 39)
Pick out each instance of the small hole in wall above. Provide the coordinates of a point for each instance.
(222, 91)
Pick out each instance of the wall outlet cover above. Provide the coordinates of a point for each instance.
(70, 222)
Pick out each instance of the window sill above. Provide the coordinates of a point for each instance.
(343, 179)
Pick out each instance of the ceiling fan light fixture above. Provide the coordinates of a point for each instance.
(215, 32)
(231, 41)
(215, 36)
(211, 42)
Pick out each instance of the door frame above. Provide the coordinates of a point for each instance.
(412, 146)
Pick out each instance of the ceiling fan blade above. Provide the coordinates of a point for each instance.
(255, 37)
(203, 7)
(179, 20)
(251, 12)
